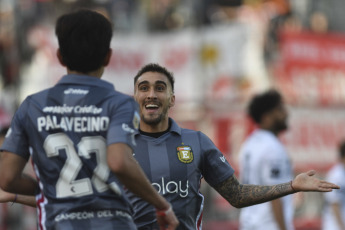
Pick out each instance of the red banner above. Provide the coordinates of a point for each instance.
(311, 70)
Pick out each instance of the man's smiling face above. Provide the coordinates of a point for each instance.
(154, 95)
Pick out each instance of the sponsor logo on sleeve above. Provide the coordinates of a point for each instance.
(185, 154)
(222, 158)
(136, 120)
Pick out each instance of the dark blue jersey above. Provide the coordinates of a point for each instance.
(66, 130)
(175, 163)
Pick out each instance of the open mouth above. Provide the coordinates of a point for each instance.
(151, 107)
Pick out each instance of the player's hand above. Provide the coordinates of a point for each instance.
(6, 197)
(167, 219)
(308, 182)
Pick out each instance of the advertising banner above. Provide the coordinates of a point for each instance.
(311, 70)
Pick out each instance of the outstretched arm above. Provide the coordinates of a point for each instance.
(243, 195)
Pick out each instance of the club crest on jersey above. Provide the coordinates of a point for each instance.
(185, 154)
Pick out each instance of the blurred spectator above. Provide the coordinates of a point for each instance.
(333, 217)
(264, 160)
(9, 62)
(318, 22)
(220, 11)
(166, 15)
(329, 13)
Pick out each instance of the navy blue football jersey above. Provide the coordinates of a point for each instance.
(66, 130)
(175, 163)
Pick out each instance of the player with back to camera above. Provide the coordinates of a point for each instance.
(79, 134)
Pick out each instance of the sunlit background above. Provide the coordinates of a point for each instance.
(221, 52)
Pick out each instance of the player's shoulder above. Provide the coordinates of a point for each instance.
(197, 137)
(119, 94)
(185, 131)
(264, 139)
(337, 170)
(260, 144)
(119, 97)
(38, 96)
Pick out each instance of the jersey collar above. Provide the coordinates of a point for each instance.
(173, 128)
(85, 80)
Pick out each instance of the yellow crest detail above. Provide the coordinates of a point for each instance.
(185, 154)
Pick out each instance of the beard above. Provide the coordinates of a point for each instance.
(150, 120)
(280, 126)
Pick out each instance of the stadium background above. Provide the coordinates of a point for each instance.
(221, 52)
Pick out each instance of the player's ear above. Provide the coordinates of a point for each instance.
(172, 101)
(107, 57)
(59, 56)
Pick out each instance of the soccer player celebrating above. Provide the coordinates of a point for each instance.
(79, 134)
(175, 159)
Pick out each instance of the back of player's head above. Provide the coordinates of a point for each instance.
(153, 67)
(342, 149)
(263, 103)
(84, 39)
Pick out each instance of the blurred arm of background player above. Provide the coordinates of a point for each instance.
(243, 195)
(277, 208)
(337, 214)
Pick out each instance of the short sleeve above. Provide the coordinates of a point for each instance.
(124, 123)
(16, 140)
(214, 165)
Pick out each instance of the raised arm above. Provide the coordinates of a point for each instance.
(243, 195)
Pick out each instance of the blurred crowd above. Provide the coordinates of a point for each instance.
(18, 18)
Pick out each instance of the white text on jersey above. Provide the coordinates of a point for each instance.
(91, 109)
(75, 124)
(172, 187)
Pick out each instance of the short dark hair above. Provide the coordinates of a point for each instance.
(263, 103)
(154, 67)
(84, 38)
(342, 149)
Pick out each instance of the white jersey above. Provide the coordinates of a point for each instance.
(335, 175)
(264, 161)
